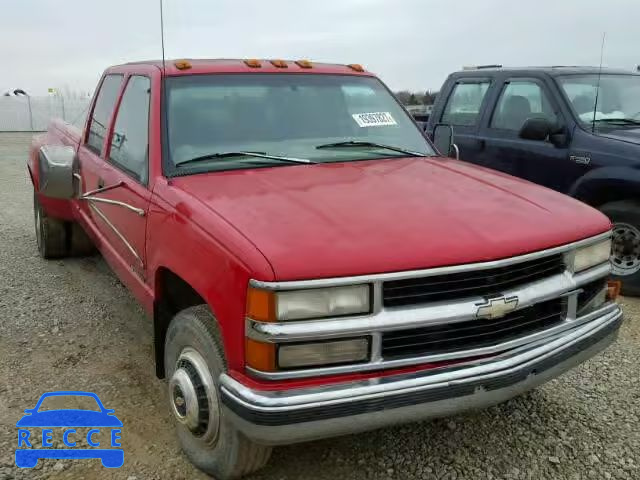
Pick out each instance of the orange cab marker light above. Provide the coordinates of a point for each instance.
(279, 63)
(356, 66)
(182, 65)
(261, 305)
(613, 289)
(259, 355)
(304, 64)
(253, 63)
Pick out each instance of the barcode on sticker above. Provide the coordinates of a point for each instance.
(374, 119)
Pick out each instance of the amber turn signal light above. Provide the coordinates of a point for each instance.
(261, 305)
(279, 63)
(253, 63)
(613, 289)
(182, 65)
(356, 66)
(260, 356)
(304, 64)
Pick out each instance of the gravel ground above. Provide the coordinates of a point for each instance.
(71, 325)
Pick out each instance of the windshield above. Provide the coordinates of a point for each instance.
(618, 98)
(286, 115)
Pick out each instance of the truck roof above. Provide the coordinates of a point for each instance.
(189, 66)
(553, 70)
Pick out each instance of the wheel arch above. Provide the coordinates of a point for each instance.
(606, 185)
(173, 294)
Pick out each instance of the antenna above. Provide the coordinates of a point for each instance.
(164, 67)
(595, 105)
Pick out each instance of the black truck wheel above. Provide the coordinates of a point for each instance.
(194, 359)
(625, 256)
(51, 234)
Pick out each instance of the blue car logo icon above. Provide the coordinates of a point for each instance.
(68, 420)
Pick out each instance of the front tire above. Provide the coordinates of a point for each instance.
(194, 359)
(625, 258)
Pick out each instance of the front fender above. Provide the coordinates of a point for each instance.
(201, 257)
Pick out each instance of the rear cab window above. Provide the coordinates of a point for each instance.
(463, 107)
(105, 103)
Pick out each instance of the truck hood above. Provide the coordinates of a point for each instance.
(354, 218)
(629, 135)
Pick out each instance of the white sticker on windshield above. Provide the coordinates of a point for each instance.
(374, 119)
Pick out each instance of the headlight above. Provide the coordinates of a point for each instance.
(591, 256)
(270, 306)
(323, 353)
(322, 302)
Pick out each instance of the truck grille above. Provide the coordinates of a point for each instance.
(491, 281)
(477, 333)
(590, 290)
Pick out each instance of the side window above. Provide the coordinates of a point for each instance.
(463, 106)
(520, 101)
(102, 111)
(130, 141)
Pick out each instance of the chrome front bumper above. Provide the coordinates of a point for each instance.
(290, 416)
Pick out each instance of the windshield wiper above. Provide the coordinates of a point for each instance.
(210, 156)
(357, 143)
(621, 121)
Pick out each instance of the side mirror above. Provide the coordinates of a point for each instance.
(56, 171)
(536, 129)
(559, 138)
(443, 140)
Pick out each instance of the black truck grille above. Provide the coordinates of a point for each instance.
(450, 286)
(475, 333)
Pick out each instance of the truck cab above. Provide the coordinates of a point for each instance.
(573, 129)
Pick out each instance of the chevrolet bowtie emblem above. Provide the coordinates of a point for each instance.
(497, 307)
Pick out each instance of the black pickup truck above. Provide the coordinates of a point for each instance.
(573, 129)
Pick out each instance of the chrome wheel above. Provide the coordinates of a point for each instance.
(625, 255)
(194, 398)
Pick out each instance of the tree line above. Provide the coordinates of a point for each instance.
(416, 98)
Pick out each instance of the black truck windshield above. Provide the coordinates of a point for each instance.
(618, 98)
(284, 115)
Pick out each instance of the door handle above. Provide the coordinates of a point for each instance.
(100, 183)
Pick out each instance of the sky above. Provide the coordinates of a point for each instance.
(410, 44)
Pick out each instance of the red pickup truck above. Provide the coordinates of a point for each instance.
(311, 265)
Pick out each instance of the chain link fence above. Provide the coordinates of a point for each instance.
(33, 114)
